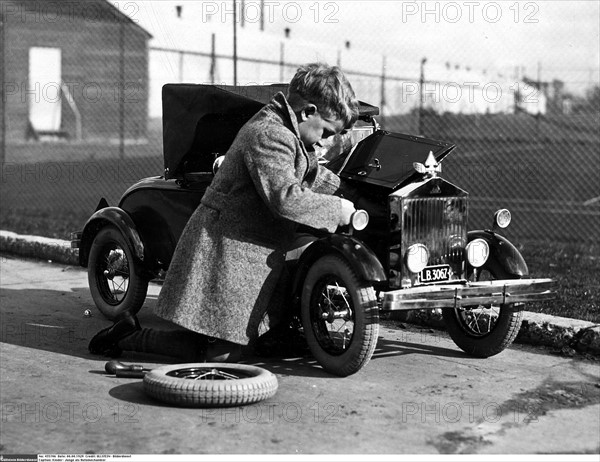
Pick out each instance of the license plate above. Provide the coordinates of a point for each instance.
(435, 274)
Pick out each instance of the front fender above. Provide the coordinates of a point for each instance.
(505, 261)
(110, 216)
(362, 259)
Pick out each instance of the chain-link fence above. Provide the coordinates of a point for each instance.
(81, 120)
(74, 112)
(521, 144)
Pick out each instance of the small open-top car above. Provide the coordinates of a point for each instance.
(414, 252)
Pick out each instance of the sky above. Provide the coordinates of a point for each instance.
(548, 39)
(557, 34)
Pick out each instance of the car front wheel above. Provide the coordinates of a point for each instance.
(115, 281)
(484, 330)
(339, 315)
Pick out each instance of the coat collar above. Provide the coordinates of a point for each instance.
(280, 105)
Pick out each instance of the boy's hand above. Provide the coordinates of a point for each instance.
(347, 211)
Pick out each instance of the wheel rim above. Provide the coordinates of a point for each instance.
(479, 321)
(112, 273)
(332, 315)
(208, 373)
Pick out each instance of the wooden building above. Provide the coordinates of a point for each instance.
(72, 71)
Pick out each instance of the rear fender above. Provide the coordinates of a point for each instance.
(505, 261)
(362, 259)
(118, 218)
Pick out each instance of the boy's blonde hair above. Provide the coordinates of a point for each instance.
(327, 88)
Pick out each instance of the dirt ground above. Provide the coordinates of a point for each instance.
(419, 394)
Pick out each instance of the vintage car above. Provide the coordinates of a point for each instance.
(415, 252)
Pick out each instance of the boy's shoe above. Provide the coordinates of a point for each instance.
(106, 342)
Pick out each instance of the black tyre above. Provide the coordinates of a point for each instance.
(339, 315)
(484, 330)
(115, 282)
(210, 384)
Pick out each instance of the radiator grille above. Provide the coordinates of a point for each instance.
(440, 223)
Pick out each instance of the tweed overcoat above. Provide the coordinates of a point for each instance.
(226, 266)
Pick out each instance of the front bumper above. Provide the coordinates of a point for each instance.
(76, 240)
(498, 292)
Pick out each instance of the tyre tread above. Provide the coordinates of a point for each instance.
(368, 303)
(191, 393)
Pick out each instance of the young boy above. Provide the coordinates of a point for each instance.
(222, 278)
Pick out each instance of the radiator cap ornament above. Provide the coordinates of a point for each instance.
(431, 167)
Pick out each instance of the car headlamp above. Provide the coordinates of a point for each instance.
(478, 252)
(502, 218)
(359, 220)
(417, 257)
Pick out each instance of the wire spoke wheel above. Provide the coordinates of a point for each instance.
(332, 315)
(479, 321)
(484, 330)
(339, 315)
(212, 373)
(115, 281)
(113, 273)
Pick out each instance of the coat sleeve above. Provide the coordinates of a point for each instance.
(328, 182)
(271, 162)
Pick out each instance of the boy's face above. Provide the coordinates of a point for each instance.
(313, 127)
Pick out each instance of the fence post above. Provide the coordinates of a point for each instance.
(181, 67)
(234, 44)
(2, 93)
(121, 88)
(281, 60)
(213, 59)
(421, 95)
(262, 15)
(540, 84)
(382, 101)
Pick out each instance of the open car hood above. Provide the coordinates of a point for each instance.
(201, 121)
(386, 159)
